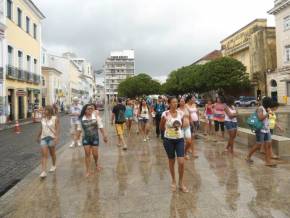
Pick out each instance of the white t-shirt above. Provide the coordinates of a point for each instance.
(173, 125)
(48, 127)
(232, 111)
(266, 127)
(75, 109)
(144, 113)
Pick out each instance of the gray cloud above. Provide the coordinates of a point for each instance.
(165, 34)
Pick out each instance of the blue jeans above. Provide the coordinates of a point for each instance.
(231, 125)
(47, 142)
(174, 146)
(262, 137)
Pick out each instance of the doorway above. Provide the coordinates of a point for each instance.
(20, 107)
(11, 104)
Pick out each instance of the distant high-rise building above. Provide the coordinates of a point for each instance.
(118, 66)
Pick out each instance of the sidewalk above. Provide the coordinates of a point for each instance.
(136, 184)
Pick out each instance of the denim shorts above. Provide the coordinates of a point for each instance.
(47, 141)
(92, 141)
(231, 125)
(262, 137)
(174, 146)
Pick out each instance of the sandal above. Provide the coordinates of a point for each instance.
(187, 157)
(275, 157)
(249, 160)
(183, 189)
(98, 168)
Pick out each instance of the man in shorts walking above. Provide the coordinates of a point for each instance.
(118, 114)
(76, 129)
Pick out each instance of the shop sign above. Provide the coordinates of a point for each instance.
(20, 93)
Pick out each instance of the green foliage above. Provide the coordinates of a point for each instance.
(142, 84)
(222, 74)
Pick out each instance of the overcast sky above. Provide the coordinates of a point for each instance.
(165, 34)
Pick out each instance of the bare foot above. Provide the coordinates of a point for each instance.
(183, 189)
(88, 174)
(173, 187)
(98, 168)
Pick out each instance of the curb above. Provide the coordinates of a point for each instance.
(11, 126)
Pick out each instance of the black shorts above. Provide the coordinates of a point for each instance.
(91, 140)
(218, 125)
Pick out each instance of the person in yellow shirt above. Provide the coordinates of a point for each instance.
(272, 125)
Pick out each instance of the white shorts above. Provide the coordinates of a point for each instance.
(187, 133)
(75, 127)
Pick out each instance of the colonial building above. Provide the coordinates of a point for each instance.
(20, 46)
(279, 80)
(118, 66)
(255, 46)
(209, 57)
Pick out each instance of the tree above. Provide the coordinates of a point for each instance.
(142, 84)
(224, 74)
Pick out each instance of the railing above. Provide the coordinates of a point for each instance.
(21, 75)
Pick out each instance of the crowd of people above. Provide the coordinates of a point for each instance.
(174, 120)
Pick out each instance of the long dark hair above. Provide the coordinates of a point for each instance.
(140, 107)
(267, 102)
(230, 101)
(84, 110)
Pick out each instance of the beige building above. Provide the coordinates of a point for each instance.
(51, 86)
(21, 58)
(279, 80)
(255, 46)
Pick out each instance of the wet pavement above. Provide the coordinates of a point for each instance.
(20, 154)
(136, 183)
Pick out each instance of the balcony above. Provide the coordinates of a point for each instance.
(1, 73)
(21, 75)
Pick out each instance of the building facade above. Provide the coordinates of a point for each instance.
(278, 81)
(118, 66)
(255, 46)
(20, 33)
(209, 57)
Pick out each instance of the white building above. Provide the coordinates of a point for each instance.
(118, 66)
(278, 82)
(88, 79)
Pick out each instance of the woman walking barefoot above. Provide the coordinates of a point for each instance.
(48, 138)
(231, 123)
(194, 121)
(185, 127)
(144, 115)
(91, 124)
(208, 113)
(172, 122)
(129, 113)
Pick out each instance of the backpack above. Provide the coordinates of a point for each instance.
(254, 122)
(121, 117)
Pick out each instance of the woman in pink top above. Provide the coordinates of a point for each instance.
(219, 115)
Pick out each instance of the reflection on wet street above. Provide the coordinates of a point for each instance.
(136, 183)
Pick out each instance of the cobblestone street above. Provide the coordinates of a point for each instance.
(136, 183)
(20, 154)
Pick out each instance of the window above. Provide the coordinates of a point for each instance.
(9, 9)
(19, 17)
(288, 89)
(28, 61)
(43, 81)
(287, 23)
(10, 55)
(34, 31)
(35, 66)
(27, 24)
(287, 52)
(20, 59)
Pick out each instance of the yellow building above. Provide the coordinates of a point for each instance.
(255, 46)
(22, 85)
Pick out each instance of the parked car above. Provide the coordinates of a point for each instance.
(246, 101)
(200, 102)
